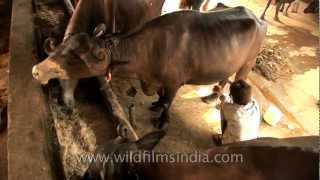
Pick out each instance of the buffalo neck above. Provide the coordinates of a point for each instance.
(126, 54)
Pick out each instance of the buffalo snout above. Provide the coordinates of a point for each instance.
(47, 70)
(35, 72)
(38, 75)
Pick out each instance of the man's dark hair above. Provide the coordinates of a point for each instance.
(240, 92)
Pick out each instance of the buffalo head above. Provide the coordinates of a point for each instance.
(78, 56)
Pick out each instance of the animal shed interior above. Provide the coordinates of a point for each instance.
(89, 125)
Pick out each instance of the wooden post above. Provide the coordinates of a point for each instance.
(29, 151)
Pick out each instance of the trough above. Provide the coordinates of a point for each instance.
(44, 137)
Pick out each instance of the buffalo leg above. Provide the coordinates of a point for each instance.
(217, 90)
(282, 7)
(68, 87)
(132, 118)
(157, 105)
(295, 6)
(265, 10)
(245, 70)
(169, 94)
(276, 16)
(286, 12)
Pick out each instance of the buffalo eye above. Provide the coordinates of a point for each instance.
(100, 54)
(49, 45)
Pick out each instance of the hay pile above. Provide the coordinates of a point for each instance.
(272, 63)
(75, 138)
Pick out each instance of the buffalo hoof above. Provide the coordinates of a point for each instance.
(160, 124)
(210, 98)
(217, 139)
(132, 118)
(67, 110)
(69, 101)
(156, 107)
(68, 98)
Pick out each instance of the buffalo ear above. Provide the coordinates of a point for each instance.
(92, 61)
(149, 141)
(100, 30)
(49, 45)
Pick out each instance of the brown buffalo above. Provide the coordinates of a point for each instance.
(119, 16)
(259, 159)
(185, 47)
